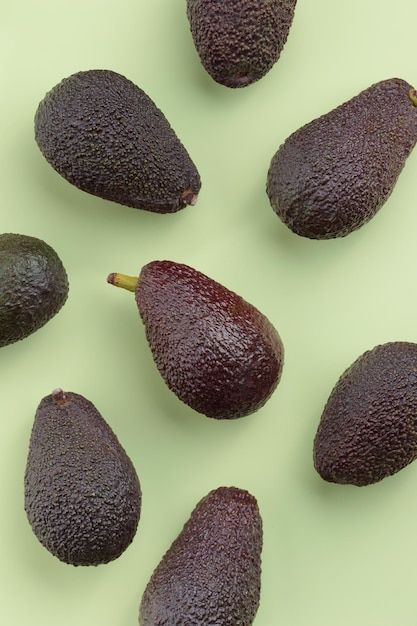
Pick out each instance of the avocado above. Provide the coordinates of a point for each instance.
(82, 493)
(211, 574)
(368, 429)
(238, 41)
(33, 286)
(107, 137)
(215, 351)
(331, 176)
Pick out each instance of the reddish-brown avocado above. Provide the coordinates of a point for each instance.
(216, 352)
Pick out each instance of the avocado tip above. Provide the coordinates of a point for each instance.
(189, 197)
(59, 396)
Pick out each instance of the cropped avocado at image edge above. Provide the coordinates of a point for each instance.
(368, 429)
(33, 286)
(211, 574)
(239, 41)
(325, 181)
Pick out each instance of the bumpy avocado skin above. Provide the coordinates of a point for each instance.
(238, 41)
(368, 429)
(33, 286)
(82, 493)
(211, 574)
(105, 135)
(332, 175)
(215, 351)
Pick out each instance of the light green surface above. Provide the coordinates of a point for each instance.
(333, 556)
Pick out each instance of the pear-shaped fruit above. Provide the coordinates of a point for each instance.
(216, 352)
(368, 429)
(33, 286)
(105, 135)
(82, 493)
(238, 41)
(211, 574)
(331, 176)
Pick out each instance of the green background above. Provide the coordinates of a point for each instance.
(333, 555)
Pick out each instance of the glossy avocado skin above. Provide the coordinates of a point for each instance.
(105, 135)
(238, 41)
(33, 286)
(215, 351)
(82, 493)
(211, 574)
(332, 175)
(368, 429)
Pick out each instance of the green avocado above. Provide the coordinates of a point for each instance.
(238, 41)
(218, 353)
(211, 574)
(33, 286)
(105, 135)
(332, 175)
(368, 429)
(82, 493)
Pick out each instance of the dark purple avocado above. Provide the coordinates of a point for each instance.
(105, 135)
(368, 429)
(331, 176)
(219, 354)
(82, 493)
(239, 41)
(211, 574)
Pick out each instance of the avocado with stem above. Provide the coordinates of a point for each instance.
(33, 286)
(218, 353)
(82, 493)
(106, 136)
(331, 176)
(239, 41)
(368, 429)
(211, 574)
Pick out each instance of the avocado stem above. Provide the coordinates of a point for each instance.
(413, 96)
(189, 198)
(123, 281)
(59, 396)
